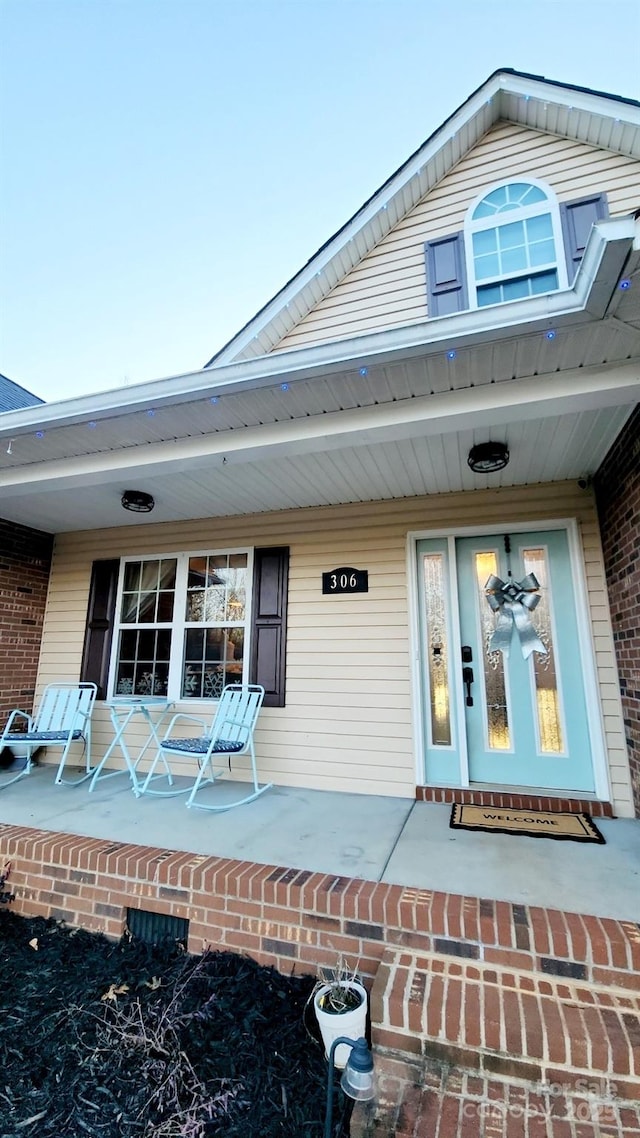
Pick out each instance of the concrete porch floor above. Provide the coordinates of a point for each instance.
(393, 840)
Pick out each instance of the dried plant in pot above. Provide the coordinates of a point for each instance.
(340, 1003)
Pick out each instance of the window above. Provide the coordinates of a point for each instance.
(154, 660)
(512, 240)
(181, 625)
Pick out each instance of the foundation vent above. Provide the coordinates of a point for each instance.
(152, 928)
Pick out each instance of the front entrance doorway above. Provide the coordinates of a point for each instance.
(502, 678)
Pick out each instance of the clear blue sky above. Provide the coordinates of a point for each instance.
(167, 165)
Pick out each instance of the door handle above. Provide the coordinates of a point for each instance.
(467, 679)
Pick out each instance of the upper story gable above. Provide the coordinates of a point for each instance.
(496, 206)
(440, 256)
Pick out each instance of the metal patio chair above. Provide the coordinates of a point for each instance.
(63, 717)
(231, 733)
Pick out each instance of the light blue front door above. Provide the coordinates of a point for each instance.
(521, 704)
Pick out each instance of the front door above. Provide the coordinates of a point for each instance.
(504, 695)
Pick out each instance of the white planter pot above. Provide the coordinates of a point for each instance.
(352, 1023)
(21, 750)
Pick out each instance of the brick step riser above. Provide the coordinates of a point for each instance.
(515, 1024)
(500, 800)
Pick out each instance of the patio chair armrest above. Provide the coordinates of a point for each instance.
(183, 718)
(13, 716)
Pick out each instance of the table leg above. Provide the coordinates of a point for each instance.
(117, 741)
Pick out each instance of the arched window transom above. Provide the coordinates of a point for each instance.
(514, 235)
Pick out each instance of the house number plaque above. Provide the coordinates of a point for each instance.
(346, 580)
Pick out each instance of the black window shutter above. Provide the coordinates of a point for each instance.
(269, 631)
(446, 275)
(99, 630)
(577, 219)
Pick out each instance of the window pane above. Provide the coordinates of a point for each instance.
(511, 235)
(542, 253)
(437, 647)
(491, 203)
(165, 607)
(495, 694)
(213, 658)
(514, 290)
(132, 572)
(539, 228)
(485, 242)
(147, 608)
(544, 282)
(514, 260)
(215, 641)
(544, 666)
(489, 294)
(141, 669)
(487, 267)
(129, 613)
(534, 194)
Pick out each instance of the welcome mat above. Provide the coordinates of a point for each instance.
(534, 823)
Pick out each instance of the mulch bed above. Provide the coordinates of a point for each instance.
(129, 1040)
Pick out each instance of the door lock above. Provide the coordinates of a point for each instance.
(467, 679)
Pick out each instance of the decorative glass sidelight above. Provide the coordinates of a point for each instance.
(548, 715)
(437, 646)
(495, 693)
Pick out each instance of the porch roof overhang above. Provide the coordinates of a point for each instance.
(389, 414)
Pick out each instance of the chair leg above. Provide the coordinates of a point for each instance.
(257, 789)
(88, 768)
(21, 774)
(196, 786)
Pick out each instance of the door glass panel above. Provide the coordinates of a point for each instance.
(498, 735)
(544, 666)
(437, 646)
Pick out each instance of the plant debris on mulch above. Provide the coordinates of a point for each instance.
(130, 1040)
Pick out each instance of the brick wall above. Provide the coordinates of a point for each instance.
(617, 485)
(297, 920)
(25, 560)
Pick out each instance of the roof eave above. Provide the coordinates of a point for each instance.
(611, 246)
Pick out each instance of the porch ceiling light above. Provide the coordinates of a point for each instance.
(138, 501)
(485, 458)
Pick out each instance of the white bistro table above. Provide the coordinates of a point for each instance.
(123, 709)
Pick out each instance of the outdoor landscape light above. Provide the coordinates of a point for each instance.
(488, 457)
(357, 1080)
(137, 501)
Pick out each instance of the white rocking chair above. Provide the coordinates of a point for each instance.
(63, 718)
(231, 733)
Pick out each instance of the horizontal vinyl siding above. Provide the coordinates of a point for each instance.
(388, 287)
(347, 724)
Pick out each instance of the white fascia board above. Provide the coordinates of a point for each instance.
(590, 102)
(583, 389)
(605, 256)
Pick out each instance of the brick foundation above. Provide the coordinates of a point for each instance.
(513, 992)
(298, 920)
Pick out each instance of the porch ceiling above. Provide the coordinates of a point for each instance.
(289, 469)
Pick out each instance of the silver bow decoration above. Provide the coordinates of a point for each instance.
(514, 602)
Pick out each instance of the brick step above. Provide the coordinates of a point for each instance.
(513, 800)
(507, 1022)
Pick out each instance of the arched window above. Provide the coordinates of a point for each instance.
(513, 243)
